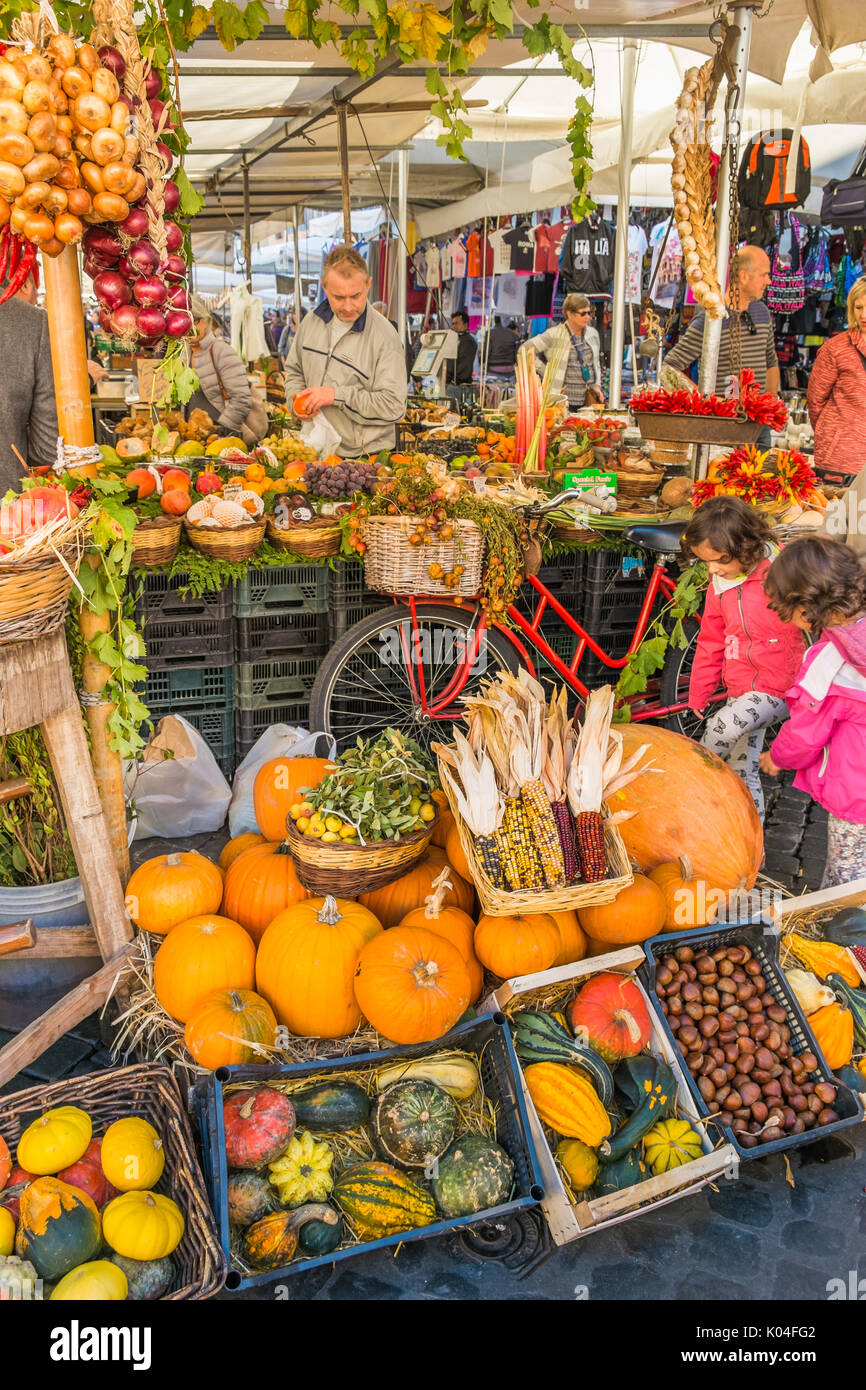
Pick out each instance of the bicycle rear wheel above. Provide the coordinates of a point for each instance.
(368, 683)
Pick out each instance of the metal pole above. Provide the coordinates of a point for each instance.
(620, 265)
(296, 242)
(248, 236)
(402, 219)
(713, 327)
(343, 142)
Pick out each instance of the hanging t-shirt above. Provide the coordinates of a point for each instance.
(637, 247)
(667, 280)
(431, 260)
(521, 244)
(456, 260)
(501, 253)
(473, 255)
(511, 294)
(555, 237)
(586, 260)
(541, 234)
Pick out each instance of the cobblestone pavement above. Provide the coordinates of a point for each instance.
(775, 1231)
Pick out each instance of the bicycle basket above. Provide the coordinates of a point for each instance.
(394, 566)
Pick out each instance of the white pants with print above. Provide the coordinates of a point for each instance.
(735, 733)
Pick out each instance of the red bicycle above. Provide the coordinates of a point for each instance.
(410, 665)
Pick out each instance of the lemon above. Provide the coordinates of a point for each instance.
(428, 811)
(333, 823)
(329, 837)
(295, 810)
(316, 829)
(307, 808)
(414, 806)
(303, 824)
(348, 832)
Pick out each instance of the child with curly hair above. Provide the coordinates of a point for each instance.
(819, 584)
(742, 645)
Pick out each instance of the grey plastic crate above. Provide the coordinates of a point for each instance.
(259, 684)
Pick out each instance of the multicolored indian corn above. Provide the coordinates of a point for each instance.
(589, 844)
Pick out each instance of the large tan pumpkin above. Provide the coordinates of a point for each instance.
(694, 806)
(391, 903)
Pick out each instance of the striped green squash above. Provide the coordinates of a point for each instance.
(379, 1200)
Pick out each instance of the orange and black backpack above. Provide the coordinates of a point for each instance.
(764, 170)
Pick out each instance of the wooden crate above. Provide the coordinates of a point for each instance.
(568, 1220)
(844, 895)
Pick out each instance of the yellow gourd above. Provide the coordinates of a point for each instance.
(97, 1281)
(580, 1163)
(833, 1027)
(670, 1144)
(143, 1225)
(567, 1102)
(56, 1140)
(303, 1173)
(823, 958)
(810, 994)
(132, 1155)
(7, 1232)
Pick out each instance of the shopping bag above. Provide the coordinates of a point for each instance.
(320, 435)
(177, 787)
(278, 741)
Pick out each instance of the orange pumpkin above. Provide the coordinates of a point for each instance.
(572, 936)
(699, 807)
(5, 1162)
(278, 786)
(200, 955)
(454, 851)
(690, 901)
(306, 964)
(454, 925)
(636, 913)
(411, 985)
(170, 888)
(222, 1030)
(517, 945)
(239, 845)
(391, 903)
(444, 821)
(260, 884)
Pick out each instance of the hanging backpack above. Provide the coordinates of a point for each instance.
(816, 267)
(764, 171)
(786, 292)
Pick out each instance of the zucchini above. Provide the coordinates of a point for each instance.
(853, 999)
(331, 1107)
(540, 1038)
(650, 1090)
(453, 1071)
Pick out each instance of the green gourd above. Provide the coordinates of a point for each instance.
(847, 928)
(331, 1107)
(320, 1237)
(628, 1170)
(851, 1077)
(474, 1175)
(648, 1089)
(250, 1197)
(539, 1038)
(415, 1123)
(146, 1279)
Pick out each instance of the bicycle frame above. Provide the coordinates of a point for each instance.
(659, 583)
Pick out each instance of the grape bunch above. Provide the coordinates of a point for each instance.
(288, 448)
(340, 479)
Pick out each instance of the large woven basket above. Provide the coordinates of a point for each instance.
(308, 538)
(346, 869)
(634, 487)
(155, 541)
(151, 1092)
(34, 593)
(501, 902)
(393, 566)
(696, 429)
(236, 543)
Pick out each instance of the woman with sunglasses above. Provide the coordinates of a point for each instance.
(578, 376)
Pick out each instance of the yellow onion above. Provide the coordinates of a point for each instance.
(11, 84)
(105, 85)
(34, 195)
(110, 206)
(61, 48)
(42, 167)
(88, 58)
(106, 146)
(68, 228)
(91, 175)
(36, 97)
(38, 68)
(52, 247)
(12, 181)
(38, 228)
(75, 83)
(67, 175)
(13, 116)
(118, 178)
(55, 201)
(16, 148)
(42, 131)
(91, 112)
(79, 202)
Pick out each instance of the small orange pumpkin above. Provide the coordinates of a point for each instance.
(411, 985)
(239, 845)
(391, 903)
(690, 901)
(454, 925)
(5, 1162)
(833, 1027)
(278, 786)
(454, 851)
(200, 955)
(170, 888)
(573, 937)
(511, 946)
(221, 1031)
(636, 913)
(260, 884)
(444, 820)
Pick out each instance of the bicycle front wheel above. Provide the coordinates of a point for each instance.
(373, 676)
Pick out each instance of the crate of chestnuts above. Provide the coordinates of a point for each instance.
(752, 1062)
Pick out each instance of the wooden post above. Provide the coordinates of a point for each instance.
(75, 422)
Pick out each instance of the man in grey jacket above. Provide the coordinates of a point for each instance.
(349, 360)
(28, 414)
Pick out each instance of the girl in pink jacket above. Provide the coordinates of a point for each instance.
(742, 644)
(820, 585)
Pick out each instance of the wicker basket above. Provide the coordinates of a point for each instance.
(310, 538)
(341, 867)
(785, 534)
(635, 487)
(582, 535)
(502, 902)
(149, 1091)
(696, 429)
(393, 566)
(237, 543)
(34, 593)
(155, 541)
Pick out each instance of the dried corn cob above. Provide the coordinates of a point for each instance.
(565, 830)
(544, 833)
(516, 847)
(589, 843)
(488, 853)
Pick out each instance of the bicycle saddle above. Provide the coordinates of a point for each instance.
(663, 539)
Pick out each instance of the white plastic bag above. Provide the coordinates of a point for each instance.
(320, 434)
(278, 741)
(183, 794)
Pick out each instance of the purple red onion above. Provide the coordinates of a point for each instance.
(173, 268)
(179, 297)
(143, 258)
(135, 224)
(150, 290)
(113, 60)
(177, 323)
(171, 195)
(102, 244)
(152, 84)
(151, 322)
(173, 236)
(111, 289)
(124, 320)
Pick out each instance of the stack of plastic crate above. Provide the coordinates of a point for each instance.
(190, 646)
(281, 618)
(349, 599)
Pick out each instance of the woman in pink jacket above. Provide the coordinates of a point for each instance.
(820, 585)
(742, 644)
(837, 386)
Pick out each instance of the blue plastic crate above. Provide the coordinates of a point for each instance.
(207, 687)
(488, 1038)
(284, 589)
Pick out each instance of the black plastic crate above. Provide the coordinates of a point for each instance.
(259, 684)
(250, 724)
(205, 687)
(217, 728)
(763, 941)
(348, 585)
(161, 600)
(188, 643)
(591, 671)
(488, 1038)
(607, 568)
(282, 589)
(340, 622)
(273, 635)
